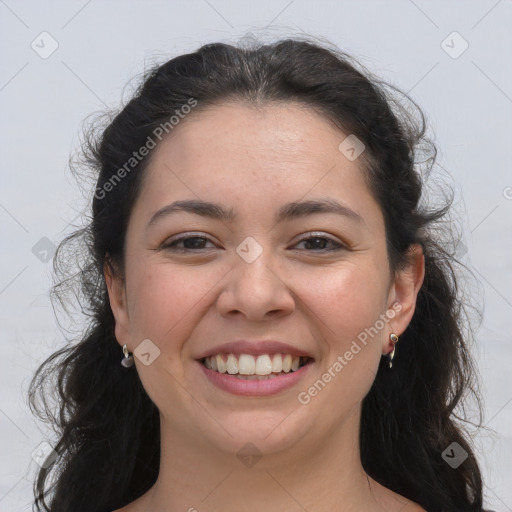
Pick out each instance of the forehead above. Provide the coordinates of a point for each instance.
(254, 157)
(263, 138)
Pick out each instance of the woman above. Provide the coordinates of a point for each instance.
(274, 322)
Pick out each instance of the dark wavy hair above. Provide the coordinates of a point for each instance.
(107, 426)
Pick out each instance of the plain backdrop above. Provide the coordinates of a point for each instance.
(453, 57)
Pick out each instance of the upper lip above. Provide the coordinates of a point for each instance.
(255, 348)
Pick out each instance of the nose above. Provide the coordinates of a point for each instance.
(255, 290)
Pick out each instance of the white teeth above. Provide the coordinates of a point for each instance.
(287, 363)
(246, 364)
(232, 365)
(264, 365)
(277, 363)
(221, 365)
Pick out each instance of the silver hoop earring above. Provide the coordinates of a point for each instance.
(127, 360)
(394, 339)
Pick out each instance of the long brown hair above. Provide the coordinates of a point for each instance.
(109, 439)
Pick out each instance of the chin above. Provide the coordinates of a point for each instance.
(263, 432)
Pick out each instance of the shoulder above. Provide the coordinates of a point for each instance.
(392, 501)
(413, 507)
(405, 505)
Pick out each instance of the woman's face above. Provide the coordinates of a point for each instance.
(314, 278)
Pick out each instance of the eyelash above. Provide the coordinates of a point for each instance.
(173, 245)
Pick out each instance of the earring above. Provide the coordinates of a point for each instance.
(394, 338)
(127, 360)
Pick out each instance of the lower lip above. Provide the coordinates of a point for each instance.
(243, 387)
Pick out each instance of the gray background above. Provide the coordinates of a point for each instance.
(102, 45)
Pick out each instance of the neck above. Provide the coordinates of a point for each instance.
(315, 476)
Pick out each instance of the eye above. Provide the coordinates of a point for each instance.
(190, 243)
(318, 243)
(196, 243)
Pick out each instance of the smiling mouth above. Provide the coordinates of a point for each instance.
(249, 367)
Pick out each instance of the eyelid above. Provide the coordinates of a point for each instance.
(324, 235)
(191, 234)
(339, 245)
(319, 234)
(186, 236)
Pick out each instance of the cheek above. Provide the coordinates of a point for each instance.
(167, 299)
(167, 303)
(348, 300)
(347, 305)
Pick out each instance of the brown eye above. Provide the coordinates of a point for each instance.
(188, 243)
(321, 244)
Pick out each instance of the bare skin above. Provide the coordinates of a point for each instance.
(192, 297)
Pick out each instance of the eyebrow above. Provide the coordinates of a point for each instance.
(293, 210)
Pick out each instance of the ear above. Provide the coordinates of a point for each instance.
(404, 291)
(118, 302)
